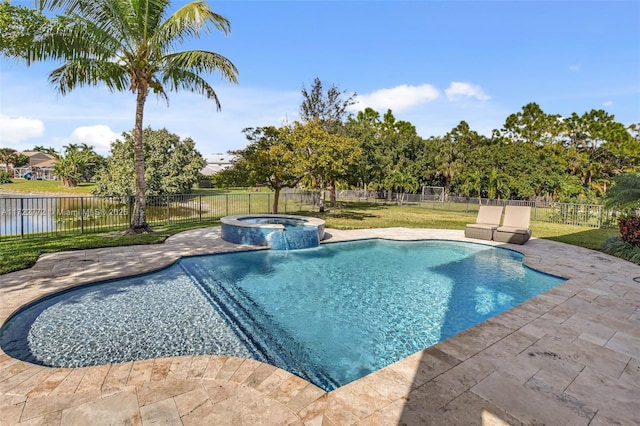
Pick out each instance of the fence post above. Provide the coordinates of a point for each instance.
(600, 217)
(168, 211)
(200, 209)
(249, 203)
(269, 203)
(82, 215)
(21, 218)
(226, 208)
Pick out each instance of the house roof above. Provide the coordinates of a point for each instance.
(38, 159)
(38, 153)
(219, 158)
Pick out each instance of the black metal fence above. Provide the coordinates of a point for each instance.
(29, 217)
(25, 217)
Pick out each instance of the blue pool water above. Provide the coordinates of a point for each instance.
(330, 315)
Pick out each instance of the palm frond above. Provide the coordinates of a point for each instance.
(189, 22)
(625, 193)
(89, 72)
(179, 79)
(69, 37)
(202, 61)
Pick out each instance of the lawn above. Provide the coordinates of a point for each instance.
(22, 186)
(19, 254)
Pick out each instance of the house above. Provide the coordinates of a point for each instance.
(216, 163)
(40, 165)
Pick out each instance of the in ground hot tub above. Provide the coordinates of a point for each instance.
(280, 232)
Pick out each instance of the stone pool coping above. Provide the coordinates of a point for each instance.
(568, 356)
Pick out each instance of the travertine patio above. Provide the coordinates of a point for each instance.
(570, 356)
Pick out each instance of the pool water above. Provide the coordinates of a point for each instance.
(330, 315)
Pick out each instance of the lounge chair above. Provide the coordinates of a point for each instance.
(515, 227)
(488, 220)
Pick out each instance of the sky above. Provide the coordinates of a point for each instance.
(433, 63)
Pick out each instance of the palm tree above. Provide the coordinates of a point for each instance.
(130, 45)
(625, 192)
(68, 167)
(401, 182)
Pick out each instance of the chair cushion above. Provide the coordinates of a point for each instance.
(514, 230)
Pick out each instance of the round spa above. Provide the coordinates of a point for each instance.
(278, 231)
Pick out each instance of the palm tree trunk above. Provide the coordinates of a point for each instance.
(139, 222)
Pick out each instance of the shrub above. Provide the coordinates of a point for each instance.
(630, 230)
(5, 177)
(616, 247)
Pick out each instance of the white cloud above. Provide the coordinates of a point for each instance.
(575, 67)
(98, 136)
(398, 98)
(608, 103)
(459, 90)
(14, 130)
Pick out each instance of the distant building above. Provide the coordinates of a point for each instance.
(216, 163)
(40, 166)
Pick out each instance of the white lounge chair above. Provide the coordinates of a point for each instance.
(515, 226)
(488, 220)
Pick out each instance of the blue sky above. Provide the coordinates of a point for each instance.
(433, 63)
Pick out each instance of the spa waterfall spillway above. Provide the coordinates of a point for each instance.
(279, 232)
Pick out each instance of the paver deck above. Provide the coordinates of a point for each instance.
(570, 356)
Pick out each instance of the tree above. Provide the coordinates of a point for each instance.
(401, 182)
(325, 157)
(532, 125)
(77, 163)
(12, 158)
(625, 192)
(498, 185)
(19, 27)
(284, 157)
(40, 148)
(173, 165)
(270, 158)
(473, 184)
(329, 109)
(129, 45)
(68, 167)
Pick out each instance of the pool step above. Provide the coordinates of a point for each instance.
(263, 337)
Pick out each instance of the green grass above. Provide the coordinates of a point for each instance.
(44, 186)
(369, 215)
(18, 254)
(55, 187)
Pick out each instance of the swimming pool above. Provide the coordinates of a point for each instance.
(331, 314)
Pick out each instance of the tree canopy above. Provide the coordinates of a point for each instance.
(301, 153)
(173, 165)
(534, 155)
(19, 27)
